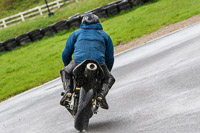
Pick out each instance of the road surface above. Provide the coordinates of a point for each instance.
(157, 90)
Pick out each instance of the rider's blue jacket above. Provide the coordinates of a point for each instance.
(89, 42)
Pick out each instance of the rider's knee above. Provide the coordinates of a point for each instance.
(111, 81)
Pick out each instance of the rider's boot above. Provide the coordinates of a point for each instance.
(102, 97)
(67, 85)
(67, 94)
(104, 91)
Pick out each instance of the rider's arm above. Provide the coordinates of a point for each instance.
(68, 50)
(109, 53)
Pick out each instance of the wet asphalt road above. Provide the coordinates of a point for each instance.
(157, 91)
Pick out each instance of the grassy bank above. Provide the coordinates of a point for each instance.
(43, 21)
(39, 62)
(12, 7)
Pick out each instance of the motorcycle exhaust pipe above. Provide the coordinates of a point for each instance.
(91, 66)
(90, 70)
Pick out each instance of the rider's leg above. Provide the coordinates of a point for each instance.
(66, 76)
(107, 83)
(66, 80)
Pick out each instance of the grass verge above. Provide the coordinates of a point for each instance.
(39, 62)
(11, 7)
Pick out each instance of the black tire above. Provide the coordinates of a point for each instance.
(83, 117)
(48, 31)
(10, 44)
(87, 114)
(34, 32)
(84, 112)
(2, 48)
(146, 1)
(48, 28)
(35, 35)
(124, 5)
(60, 26)
(74, 21)
(38, 37)
(100, 12)
(112, 10)
(23, 39)
(136, 2)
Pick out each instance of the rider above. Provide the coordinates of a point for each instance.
(88, 42)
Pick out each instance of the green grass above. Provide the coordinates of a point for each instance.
(39, 62)
(43, 21)
(12, 7)
(33, 68)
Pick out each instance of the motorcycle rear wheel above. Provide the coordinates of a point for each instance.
(82, 117)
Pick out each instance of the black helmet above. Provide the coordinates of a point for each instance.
(90, 19)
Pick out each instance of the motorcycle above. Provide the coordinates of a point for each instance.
(83, 102)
